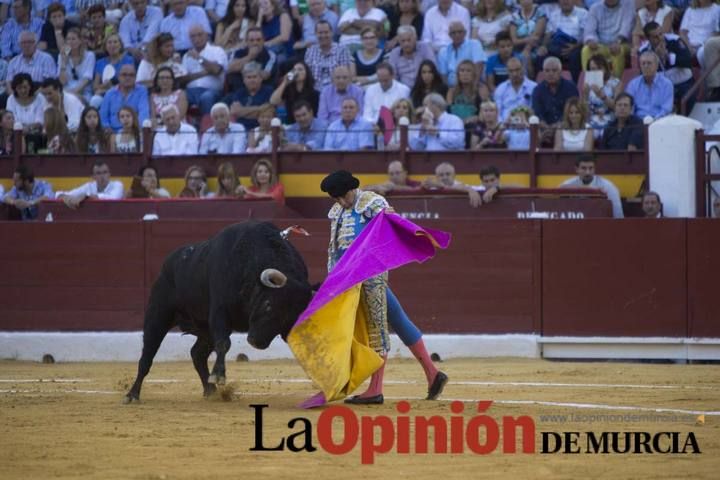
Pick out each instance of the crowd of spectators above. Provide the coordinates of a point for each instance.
(463, 67)
(446, 181)
(211, 76)
(27, 191)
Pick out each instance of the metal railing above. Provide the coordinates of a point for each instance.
(703, 172)
(696, 86)
(535, 161)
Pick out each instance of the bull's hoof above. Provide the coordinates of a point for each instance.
(216, 379)
(209, 390)
(130, 398)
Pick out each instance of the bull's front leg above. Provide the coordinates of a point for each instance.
(220, 332)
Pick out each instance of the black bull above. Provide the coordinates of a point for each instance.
(247, 277)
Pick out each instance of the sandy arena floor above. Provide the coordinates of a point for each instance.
(67, 421)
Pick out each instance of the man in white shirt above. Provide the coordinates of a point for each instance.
(567, 17)
(383, 93)
(176, 137)
(138, 26)
(564, 35)
(67, 103)
(585, 168)
(439, 130)
(179, 21)
(437, 22)
(101, 187)
(223, 137)
(205, 65)
(514, 92)
(354, 20)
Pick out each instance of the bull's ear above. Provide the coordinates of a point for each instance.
(273, 278)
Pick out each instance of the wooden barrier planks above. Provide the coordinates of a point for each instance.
(78, 276)
(614, 278)
(703, 241)
(556, 278)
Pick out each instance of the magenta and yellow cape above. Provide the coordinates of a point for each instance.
(330, 338)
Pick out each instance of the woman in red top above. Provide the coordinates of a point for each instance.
(265, 182)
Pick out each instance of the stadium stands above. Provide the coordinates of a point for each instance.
(153, 34)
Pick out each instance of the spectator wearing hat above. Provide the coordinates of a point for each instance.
(353, 210)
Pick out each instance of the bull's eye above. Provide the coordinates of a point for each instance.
(268, 307)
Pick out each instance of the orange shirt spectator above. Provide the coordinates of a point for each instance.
(265, 183)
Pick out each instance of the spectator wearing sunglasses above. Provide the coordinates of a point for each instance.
(76, 66)
(127, 93)
(108, 67)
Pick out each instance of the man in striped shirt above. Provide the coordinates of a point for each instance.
(39, 65)
(324, 57)
(113, 9)
(22, 22)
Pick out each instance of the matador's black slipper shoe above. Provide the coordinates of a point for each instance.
(358, 400)
(437, 386)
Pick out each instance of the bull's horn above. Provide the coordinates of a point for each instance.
(273, 278)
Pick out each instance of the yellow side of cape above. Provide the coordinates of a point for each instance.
(332, 345)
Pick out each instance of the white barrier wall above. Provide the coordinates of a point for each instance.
(672, 163)
(127, 346)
